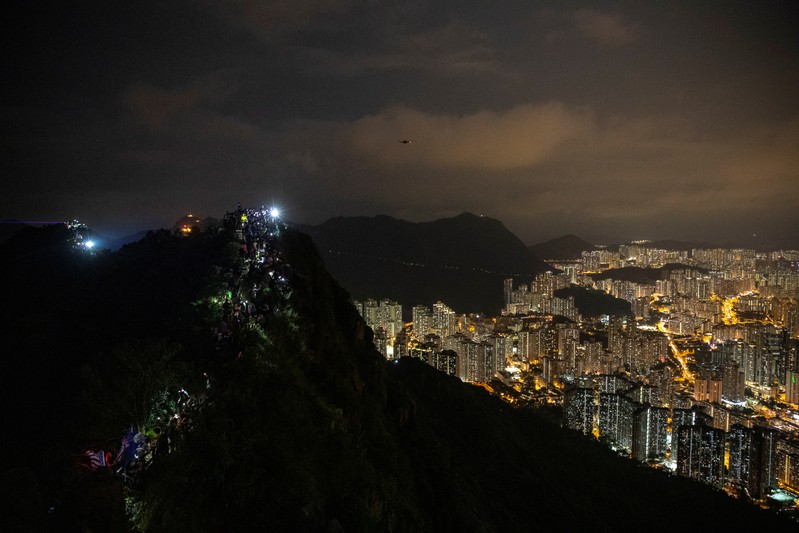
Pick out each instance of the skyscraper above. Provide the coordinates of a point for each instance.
(739, 445)
(792, 387)
(733, 385)
(700, 454)
(616, 419)
(578, 410)
(422, 321)
(753, 464)
(443, 319)
(650, 432)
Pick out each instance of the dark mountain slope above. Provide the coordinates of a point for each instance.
(592, 303)
(569, 483)
(566, 247)
(461, 260)
(642, 275)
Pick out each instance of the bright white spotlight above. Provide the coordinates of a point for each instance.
(89, 244)
(274, 212)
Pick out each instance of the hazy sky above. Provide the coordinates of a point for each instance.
(611, 120)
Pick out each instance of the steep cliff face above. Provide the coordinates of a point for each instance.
(296, 422)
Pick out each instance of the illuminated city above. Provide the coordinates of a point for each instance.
(700, 379)
(401, 266)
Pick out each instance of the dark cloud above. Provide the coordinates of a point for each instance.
(454, 49)
(270, 20)
(639, 120)
(606, 29)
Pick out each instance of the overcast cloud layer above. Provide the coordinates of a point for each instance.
(614, 120)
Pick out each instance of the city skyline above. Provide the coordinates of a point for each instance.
(698, 376)
(612, 121)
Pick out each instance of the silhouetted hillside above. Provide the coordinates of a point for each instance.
(295, 422)
(593, 303)
(118, 243)
(564, 248)
(461, 260)
(644, 275)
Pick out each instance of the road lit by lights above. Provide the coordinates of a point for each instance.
(680, 355)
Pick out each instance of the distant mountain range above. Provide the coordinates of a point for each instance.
(461, 261)
(567, 247)
(570, 247)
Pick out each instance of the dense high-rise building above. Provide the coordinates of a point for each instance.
(508, 291)
(522, 348)
(753, 459)
(764, 447)
(739, 445)
(765, 354)
(643, 394)
(391, 317)
(614, 383)
(788, 463)
(538, 344)
(444, 322)
(488, 363)
(423, 352)
(499, 348)
(618, 329)
(662, 377)
(733, 385)
(707, 388)
(688, 417)
(578, 410)
(685, 417)
(473, 358)
(447, 361)
(380, 341)
(545, 284)
(615, 419)
(792, 387)
(385, 319)
(595, 361)
(422, 321)
(649, 432)
(700, 454)
(401, 345)
(568, 340)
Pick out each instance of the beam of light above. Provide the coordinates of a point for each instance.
(89, 244)
(274, 212)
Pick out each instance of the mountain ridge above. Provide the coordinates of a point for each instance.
(461, 260)
(567, 247)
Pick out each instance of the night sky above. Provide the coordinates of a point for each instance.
(610, 120)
